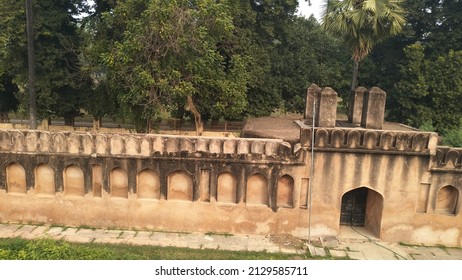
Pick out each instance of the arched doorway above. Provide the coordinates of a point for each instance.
(362, 207)
(353, 210)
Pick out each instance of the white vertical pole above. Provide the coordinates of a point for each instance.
(310, 185)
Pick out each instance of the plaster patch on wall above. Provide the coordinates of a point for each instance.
(262, 228)
(428, 236)
(399, 228)
(322, 230)
(316, 231)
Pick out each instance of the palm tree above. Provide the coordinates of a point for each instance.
(363, 24)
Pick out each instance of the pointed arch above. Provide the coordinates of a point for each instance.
(446, 200)
(362, 206)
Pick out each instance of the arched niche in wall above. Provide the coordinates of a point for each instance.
(285, 192)
(446, 200)
(16, 178)
(97, 180)
(257, 190)
(44, 180)
(148, 184)
(74, 182)
(180, 186)
(226, 187)
(118, 181)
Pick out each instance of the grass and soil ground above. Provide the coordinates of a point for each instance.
(49, 249)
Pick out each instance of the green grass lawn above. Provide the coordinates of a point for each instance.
(49, 249)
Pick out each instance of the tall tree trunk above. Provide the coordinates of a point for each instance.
(69, 119)
(354, 85)
(354, 80)
(197, 116)
(31, 62)
(4, 117)
(97, 121)
(148, 126)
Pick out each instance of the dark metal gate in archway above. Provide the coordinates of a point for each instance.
(353, 208)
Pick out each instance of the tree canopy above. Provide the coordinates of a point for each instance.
(363, 24)
(420, 68)
(56, 52)
(140, 60)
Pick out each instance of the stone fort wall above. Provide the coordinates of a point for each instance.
(412, 186)
(252, 186)
(151, 182)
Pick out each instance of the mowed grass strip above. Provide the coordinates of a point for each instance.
(49, 249)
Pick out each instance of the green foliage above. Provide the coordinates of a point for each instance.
(436, 24)
(418, 70)
(140, 59)
(8, 91)
(48, 249)
(413, 88)
(430, 90)
(161, 52)
(427, 126)
(309, 56)
(445, 85)
(363, 24)
(453, 137)
(56, 51)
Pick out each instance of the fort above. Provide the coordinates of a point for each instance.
(301, 179)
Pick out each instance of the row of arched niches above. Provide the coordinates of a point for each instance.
(181, 185)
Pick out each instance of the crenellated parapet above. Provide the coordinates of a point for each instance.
(356, 140)
(142, 145)
(448, 158)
